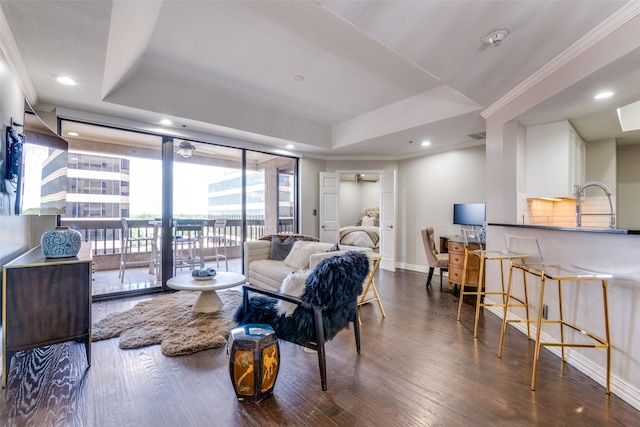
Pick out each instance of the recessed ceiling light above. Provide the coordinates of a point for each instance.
(290, 147)
(603, 95)
(66, 81)
(426, 143)
(166, 122)
(73, 134)
(495, 36)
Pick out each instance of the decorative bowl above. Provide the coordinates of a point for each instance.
(203, 278)
(203, 274)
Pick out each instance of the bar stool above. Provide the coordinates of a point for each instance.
(535, 266)
(219, 240)
(474, 248)
(126, 247)
(187, 244)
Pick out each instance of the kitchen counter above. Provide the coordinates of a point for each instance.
(614, 252)
(582, 229)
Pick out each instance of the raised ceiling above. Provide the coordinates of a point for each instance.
(377, 76)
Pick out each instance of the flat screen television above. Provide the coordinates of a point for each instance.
(469, 213)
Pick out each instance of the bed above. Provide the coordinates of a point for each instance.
(366, 233)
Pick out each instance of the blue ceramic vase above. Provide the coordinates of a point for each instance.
(61, 242)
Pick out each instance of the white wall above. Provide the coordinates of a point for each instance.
(354, 198)
(14, 230)
(628, 188)
(600, 165)
(428, 187)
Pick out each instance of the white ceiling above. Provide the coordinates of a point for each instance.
(379, 76)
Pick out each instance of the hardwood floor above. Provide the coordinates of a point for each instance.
(418, 367)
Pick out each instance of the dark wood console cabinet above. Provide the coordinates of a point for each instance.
(44, 302)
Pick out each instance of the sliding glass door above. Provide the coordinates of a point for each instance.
(114, 175)
(207, 192)
(118, 182)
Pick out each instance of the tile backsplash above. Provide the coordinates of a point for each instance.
(562, 213)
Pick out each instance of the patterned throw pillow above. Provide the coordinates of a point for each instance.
(280, 250)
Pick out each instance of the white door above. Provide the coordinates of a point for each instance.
(387, 221)
(329, 208)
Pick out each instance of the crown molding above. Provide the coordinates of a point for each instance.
(623, 15)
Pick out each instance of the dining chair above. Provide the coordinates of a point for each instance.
(434, 259)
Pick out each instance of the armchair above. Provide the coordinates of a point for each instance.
(326, 307)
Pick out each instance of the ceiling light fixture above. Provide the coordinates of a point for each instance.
(66, 81)
(185, 149)
(73, 134)
(426, 143)
(290, 147)
(166, 122)
(298, 78)
(495, 36)
(603, 95)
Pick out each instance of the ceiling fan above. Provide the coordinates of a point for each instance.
(359, 178)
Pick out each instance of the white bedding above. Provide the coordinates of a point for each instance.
(353, 235)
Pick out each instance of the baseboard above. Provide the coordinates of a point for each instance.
(419, 268)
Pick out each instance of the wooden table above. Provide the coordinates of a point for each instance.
(208, 301)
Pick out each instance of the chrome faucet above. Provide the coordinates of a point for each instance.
(611, 214)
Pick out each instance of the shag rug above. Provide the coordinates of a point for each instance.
(168, 320)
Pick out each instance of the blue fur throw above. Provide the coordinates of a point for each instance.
(334, 284)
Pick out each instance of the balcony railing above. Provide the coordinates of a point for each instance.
(105, 236)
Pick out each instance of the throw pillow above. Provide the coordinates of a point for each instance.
(298, 258)
(367, 221)
(280, 250)
(334, 248)
(294, 284)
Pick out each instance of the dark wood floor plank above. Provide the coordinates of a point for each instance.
(418, 367)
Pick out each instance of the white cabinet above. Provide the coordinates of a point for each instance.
(555, 159)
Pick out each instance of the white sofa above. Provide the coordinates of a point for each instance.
(269, 273)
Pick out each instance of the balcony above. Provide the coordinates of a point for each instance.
(105, 238)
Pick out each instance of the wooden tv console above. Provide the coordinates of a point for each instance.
(45, 301)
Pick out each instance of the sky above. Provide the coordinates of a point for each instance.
(145, 184)
(190, 187)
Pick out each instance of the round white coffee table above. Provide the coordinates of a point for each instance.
(208, 301)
